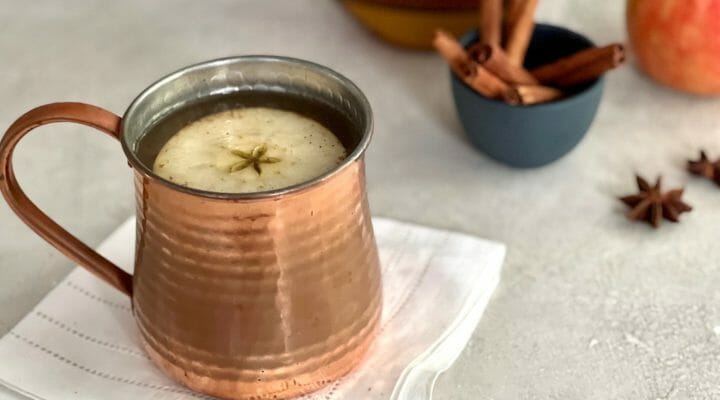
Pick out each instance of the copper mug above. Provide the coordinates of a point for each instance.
(265, 295)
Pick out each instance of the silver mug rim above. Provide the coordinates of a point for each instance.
(355, 155)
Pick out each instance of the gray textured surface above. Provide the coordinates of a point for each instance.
(590, 306)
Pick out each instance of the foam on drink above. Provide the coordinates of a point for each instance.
(249, 149)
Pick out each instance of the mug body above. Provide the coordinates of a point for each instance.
(262, 295)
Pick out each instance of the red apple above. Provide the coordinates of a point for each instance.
(677, 42)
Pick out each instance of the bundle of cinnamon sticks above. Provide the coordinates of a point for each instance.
(494, 65)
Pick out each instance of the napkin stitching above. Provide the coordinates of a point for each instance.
(337, 383)
(99, 299)
(89, 338)
(87, 293)
(159, 388)
(104, 375)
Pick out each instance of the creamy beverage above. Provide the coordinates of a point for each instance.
(236, 147)
(249, 149)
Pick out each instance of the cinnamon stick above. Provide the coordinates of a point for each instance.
(590, 72)
(520, 26)
(449, 49)
(536, 94)
(498, 62)
(489, 85)
(512, 11)
(581, 67)
(474, 75)
(490, 22)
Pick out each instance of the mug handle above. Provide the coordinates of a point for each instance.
(48, 229)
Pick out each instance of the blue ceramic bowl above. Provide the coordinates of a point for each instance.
(536, 135)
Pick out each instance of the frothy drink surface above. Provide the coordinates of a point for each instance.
(248, 149)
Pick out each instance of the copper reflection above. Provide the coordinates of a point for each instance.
(259, 296)
(257, 299)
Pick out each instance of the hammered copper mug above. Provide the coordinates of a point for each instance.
(265, 295)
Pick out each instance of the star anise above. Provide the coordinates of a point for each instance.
(704, 167)
(255, 158)
(651, 204)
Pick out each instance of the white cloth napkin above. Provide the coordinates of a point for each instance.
(80, 342)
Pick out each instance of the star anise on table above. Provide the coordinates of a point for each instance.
(652, 205)
(255, 158)
(704, 167)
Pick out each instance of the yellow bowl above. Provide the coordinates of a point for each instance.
(411, 25)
